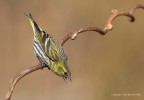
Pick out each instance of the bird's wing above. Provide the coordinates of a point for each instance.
(51, 48)
(54, 49)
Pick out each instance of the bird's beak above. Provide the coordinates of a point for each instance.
(67, 78)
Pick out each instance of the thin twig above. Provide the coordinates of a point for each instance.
(18, 77)
(113, 16)
(73, 36)
(138, 6)
(108, 26)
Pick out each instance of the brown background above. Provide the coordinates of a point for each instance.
(100, 65)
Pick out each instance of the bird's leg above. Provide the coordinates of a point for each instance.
(43, 65)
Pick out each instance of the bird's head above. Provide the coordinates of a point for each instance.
(63, 71)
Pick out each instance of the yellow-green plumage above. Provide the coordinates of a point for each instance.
(49, 51)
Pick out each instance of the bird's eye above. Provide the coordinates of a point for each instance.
(65, 73)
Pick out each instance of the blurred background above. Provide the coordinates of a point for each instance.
(101, 65)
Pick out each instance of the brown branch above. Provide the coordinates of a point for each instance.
(18, 77)
(114, 15)
(73, 36)
(138, 6)
(108, 25)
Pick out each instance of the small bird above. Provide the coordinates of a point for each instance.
(49, 51)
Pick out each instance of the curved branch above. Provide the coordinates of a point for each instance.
(73, 36)
(18, 77)
(108, 25)
(114, 15)
(138, 6)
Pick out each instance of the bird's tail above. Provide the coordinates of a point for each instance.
(33, 23)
